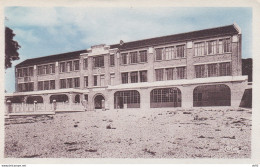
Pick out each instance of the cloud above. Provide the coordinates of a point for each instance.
(26, 35)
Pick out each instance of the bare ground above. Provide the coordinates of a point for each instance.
(173, 133)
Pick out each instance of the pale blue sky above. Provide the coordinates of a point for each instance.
(46, 31)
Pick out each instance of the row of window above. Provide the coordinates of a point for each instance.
(170, 73)
(46, 69)
(213, 70)
(69, 66)
(24, 72)
(25, 87)
(46, 85)
(212, 47)
(169, 53)
(134, 57)
(70, 83)
(133, 77)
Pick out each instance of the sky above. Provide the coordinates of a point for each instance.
(42, 31)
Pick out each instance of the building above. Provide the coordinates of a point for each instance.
(193, 69)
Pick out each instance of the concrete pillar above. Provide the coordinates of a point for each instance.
(54, 105)
(144, 98)
(107, 69)
(237, 91)
(9, 106)
(90, 72)
(189, 59)
(150, 61)
(187, 96)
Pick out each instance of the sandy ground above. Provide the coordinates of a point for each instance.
(168, 133)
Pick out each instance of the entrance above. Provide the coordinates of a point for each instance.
(98, 102)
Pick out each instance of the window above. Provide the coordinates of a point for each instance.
(199, 49)
(76, 83)
(180, 51)
(212, 70)
(102, 80)
(46, 85)
(62, 67)
(98, 61)
(159, 54)
(52, 84)
(39, 70)
(128, 99)
(76, 64)
(124, 78)
(30, 71)
(69, 66)
(181, 72)
(165, 97)
(112, 79)
(62, 83)
(69, 83)
(86, 81)
(52, 68)
(143, 56)
(224, 69)
(200, 71)
(143, 76)
(133, 57)
(30, 86)
(211, 47)
(134, 77)
(85, 63)
(169, 53)
(40, 85)
(112, 60)
(25, 72)
(19, 73)
(226, 45)
(45, 69)
(95, 80)
(159, 74)
(170, 73)
(124, 58)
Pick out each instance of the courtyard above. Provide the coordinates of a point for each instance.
(219, 132)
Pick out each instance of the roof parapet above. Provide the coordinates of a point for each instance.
(237, 28)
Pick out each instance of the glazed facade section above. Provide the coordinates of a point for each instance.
(200, 68)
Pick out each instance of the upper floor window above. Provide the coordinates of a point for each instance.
(159, 74)
(25, 72)
(52, 84)
(62, 83)
(95, 80)
(76, 64)
(199, 49)
(143, 56)
(40, 85)
(169, 53)
(52, 68)
(159, 54)
(86, 81)
(46, 85)
(224, 45)
(181, 71)
(76, 82)
(98, 61)
(170, 73)
(180, 51)
(69, 66)
(134, 77)
(45, 69)
(143, 76)
(62, 67)
(212, 70)
(102, 80)
(19, 73)
(124, 78)
(225, 69)
(40, 70)
(133, 57)
(200, 71)
(212, 47)
(85, 63)
(112, 79)
(30, 71)
(69, 83)
(112, 60)
(124, 58)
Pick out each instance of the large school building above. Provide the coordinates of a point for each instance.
(193, 69)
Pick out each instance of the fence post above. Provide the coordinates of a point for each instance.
(84, 103)
(34, 105)
(54, 105)
(9, 106)
(103, 105)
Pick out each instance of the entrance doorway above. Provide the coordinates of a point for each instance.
(99, 102)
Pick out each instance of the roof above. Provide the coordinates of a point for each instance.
(218, 31)
(212, 32)
(51, 58)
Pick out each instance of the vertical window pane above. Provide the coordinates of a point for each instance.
(212, 47)
(31, 71)
(180, 51)
(86, 81)
(143, 56)
(76, 65)
(124, 78)
(159, 53)
(52, 84)
(134, 77)
(169, 73)
(159, 74)
(181, 72)
(133, 57)
(200, 71)
(169, 53)
(224, 69)
(124, 58)
(85, 63)
(112, 60)
(143, 76)
(95, 80)
(199, 49)
(212, 70)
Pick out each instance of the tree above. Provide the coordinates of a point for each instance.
(11, 48)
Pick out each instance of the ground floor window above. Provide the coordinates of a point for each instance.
(165, 97)
(31, 99)
(127, 99)
(212, 95)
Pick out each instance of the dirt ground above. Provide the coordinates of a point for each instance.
(168, 133)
